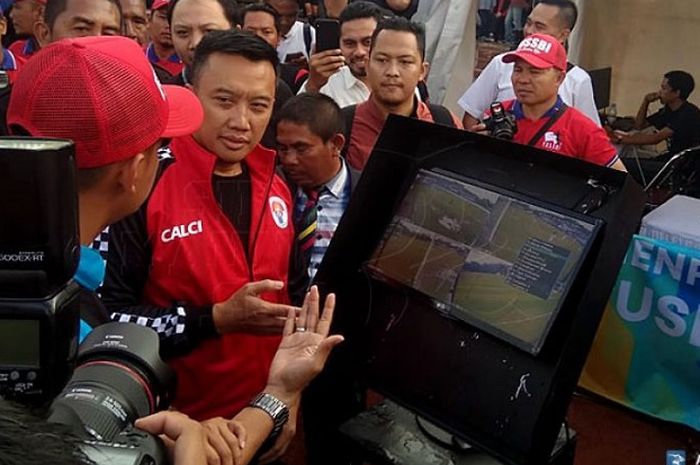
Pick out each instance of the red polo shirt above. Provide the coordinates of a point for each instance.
(369, 122)
(573, 134)
(172, 64)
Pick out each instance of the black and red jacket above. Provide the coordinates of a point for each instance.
(196, 260)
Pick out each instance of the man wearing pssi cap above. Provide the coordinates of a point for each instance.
(543, 119)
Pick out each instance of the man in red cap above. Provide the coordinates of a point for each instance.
(115, 144)
(160, 51)
(24, 14)
(115, 152)
(543, 119)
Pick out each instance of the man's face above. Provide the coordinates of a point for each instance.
(533, 85)
(666, 92)
(263, 25)
(395, 67)
(355, 42)
(159, 29)
(545, 19)
(83, 18)
(23, 15)
(307, 160)
(288, 10)
(191, 20)
(135, 20)
(237, 95)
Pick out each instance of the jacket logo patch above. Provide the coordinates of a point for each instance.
(280, 215)
(181, 231)
(552, 141)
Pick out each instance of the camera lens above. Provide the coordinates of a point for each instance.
(120, 377)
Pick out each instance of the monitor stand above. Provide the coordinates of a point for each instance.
(388, 434)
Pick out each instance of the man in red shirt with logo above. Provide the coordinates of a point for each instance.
(214, 238)
(160, 50)
(543, 119)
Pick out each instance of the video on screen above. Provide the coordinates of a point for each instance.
(498, 262)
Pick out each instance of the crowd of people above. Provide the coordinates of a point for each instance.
(217, 151)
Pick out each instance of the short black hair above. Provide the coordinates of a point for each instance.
(363, 10)
(263, 8)
(317, 111)
(400, 24)
(55, 7)
(232, 42)
(682, 82)
(29, 440)
(230, 8)
(568, 11)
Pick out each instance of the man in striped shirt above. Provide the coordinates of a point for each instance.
(310, 137)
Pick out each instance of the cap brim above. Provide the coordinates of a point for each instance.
(185, 113)
(531, 59)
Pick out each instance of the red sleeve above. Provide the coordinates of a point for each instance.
(598, 149)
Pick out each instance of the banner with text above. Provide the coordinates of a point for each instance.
(646, 354)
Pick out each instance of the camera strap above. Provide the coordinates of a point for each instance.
(548, 124)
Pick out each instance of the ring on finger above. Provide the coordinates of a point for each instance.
(301, 329)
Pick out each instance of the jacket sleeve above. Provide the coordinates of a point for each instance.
(180, 327)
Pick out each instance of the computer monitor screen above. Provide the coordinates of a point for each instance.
(493, 259)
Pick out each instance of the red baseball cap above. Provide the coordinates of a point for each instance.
(158, 4)
(541, 51)
(102, 93)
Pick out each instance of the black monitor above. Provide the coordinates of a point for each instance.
(600, 80)
(471, 274)
(494, 259)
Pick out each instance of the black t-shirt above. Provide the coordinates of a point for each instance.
(233, 195)
(684, 122)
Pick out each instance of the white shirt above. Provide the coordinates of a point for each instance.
(494, 84)
(344, 88)
(293, 42)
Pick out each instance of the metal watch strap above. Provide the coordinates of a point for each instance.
(274, 407)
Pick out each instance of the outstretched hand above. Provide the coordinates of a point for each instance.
(305, 346)
(246, 311)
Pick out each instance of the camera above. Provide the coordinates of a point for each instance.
(500, 123)
(116, 376)
(119, 378)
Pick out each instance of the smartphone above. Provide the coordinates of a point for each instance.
(327, 34)
(292, 57)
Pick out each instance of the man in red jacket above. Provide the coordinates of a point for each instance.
(214, 239)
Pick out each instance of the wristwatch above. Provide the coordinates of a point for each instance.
(274, 407)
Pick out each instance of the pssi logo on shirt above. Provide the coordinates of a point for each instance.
(535, 45)
(280, 215)
(181, 231)
(552, 141)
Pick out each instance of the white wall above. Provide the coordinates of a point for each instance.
(641, 40)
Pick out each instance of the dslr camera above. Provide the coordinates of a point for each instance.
(500, 123)
(116, 376)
